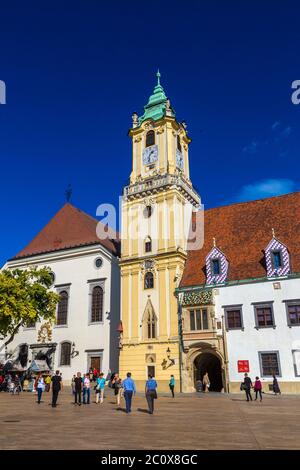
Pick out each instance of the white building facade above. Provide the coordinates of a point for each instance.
(87, 278)
(239, 299)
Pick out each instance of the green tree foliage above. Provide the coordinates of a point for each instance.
(25, 298)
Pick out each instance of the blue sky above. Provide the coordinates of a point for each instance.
(75, 72)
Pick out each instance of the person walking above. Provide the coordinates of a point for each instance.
(100, 388)
(86, 389)
(57, 386)
(206, 382)
(129, 390)
(172, 385)
(276, 388)
(118, 390)
(47, 383)
(73, 385)
(258, 388)
(151, 394)
(247, 384)
(78, 385)
(40, 387)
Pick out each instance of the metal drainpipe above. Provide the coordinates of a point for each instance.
(225, 356)
(180, 339)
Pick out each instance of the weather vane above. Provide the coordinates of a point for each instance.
(68, 193)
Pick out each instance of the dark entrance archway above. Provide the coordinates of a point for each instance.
(210, 363)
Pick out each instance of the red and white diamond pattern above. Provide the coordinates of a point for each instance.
(212, 278)
(276, 245)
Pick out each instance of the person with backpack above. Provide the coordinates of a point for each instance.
(151, 394)
(258, 388)
(247, 385)
(172, 385)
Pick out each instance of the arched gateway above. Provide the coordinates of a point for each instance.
(210, 363)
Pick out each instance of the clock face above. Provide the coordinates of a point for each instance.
(150, 155)
(179, 159)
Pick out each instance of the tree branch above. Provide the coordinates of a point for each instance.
(11, 338)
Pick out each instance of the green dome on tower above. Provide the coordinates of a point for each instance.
(157, 104)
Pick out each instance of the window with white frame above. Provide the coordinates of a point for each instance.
(269, 363)
(65, 353)
(96, 302)
(293, 312)
(234, 317)
(264, 315)
(296, 361)
(62, 308)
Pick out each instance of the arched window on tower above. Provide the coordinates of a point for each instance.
(178, 143)
(148, 245)
(150, 138)
(97, 305)
(62, 308)
(65, 353)
(151, 325)
(149, 280)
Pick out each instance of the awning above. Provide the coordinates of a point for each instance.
(39, 366)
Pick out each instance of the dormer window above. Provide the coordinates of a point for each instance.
(277, 259)
(216, 267)
(150, 138)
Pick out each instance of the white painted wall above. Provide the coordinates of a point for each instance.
(245, 345)
(76, 267)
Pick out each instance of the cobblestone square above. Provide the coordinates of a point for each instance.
(198, 421)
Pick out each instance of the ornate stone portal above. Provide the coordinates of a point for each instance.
(203, 344)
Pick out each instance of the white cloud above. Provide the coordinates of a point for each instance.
(265, 188)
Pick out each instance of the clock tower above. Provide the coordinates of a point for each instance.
(157, 209)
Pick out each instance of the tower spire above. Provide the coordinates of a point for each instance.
(158, 77)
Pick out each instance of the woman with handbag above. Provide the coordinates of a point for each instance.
(151, 394)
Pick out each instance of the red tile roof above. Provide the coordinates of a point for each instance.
(242, 232)
(69, 228)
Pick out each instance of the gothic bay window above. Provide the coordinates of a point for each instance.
(97, 305)
(269, 363)
(198, 320)
(149, 280)
(62, 308)
(264, 317)
(293, 314)
(65, 354)
(150, 138)
(233, 318)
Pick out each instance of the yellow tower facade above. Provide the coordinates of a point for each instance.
(157, 208)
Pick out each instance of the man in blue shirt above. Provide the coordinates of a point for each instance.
(150, 390)
(129, 390)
